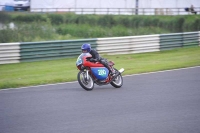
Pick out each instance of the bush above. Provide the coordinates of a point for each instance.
(196, 25)
(178, 25)
(29, 18)
(124, 21)
(24, 32)
(137, 22)
(106, 20)
(9, 35)
(56, 18)
(4, 17)
(37, 27)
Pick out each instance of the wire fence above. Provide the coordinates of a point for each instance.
(117, 11)
(121, 11)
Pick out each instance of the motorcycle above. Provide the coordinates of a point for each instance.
(94, 72)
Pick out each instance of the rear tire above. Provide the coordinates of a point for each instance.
(84, 83)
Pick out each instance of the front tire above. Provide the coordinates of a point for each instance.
(117, 82)
(85, 84)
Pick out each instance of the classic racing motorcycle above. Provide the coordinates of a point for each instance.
(94, 72)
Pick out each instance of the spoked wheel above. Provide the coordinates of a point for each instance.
(118, 81)
(87, 84)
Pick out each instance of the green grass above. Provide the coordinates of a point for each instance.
(64, 70)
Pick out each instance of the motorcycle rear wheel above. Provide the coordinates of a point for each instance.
(87, 84)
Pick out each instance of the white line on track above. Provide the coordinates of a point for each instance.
(162, 71)
(123, 76)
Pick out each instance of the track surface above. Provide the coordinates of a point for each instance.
(164, 102)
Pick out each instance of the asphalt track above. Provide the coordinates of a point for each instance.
(163, 102)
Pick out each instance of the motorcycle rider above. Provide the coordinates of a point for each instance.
(86, 48)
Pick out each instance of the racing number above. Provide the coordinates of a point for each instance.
(102, 72)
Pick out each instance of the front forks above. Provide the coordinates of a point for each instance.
(87, 75)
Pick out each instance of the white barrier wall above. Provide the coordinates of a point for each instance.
(128, 45)
(9, 53)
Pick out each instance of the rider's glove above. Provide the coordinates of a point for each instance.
(93, 60)
(87, 59)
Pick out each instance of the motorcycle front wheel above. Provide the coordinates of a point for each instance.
(118, 81)
(85, 83)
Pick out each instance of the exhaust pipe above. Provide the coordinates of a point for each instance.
(121, 70)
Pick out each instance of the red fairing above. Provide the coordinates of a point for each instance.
(91, 64)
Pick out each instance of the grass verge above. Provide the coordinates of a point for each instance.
(64, 70)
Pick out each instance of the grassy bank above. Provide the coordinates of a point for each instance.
(63, 70)
(44, 27)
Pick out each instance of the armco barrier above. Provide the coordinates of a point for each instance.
(52, 50)
(9, 53)
(36, 51)
(191, 38)
(171, 41)
(199, 38)
(128, 45)
(177, 40)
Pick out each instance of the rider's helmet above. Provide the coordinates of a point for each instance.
(86, 48)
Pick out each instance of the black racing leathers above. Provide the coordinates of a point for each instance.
(95, 55)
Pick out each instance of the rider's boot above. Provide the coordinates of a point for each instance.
(112, 72)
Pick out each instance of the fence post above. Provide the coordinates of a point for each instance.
(178, 11)
(132, 11)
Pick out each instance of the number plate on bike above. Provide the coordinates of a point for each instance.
(101, 73)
